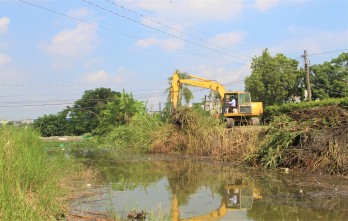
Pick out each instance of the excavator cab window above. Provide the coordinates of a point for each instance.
(244, 98)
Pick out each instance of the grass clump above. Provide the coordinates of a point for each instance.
(30, 180)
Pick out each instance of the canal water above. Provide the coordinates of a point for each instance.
(183, 188)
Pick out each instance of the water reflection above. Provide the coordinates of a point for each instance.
(236, 197)
(176, 188)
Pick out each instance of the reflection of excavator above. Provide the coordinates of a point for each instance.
(240, 110)
(236, 197)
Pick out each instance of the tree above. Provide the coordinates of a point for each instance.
(330, 79)
(97, 112)
(51, 125)
(118, 112)
(85, 113)
(274, 80)
(185, 92)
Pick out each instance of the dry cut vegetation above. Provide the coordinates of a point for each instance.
(310, 139)
(194, 133)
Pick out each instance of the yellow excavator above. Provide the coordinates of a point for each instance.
(235, 198)
(236, 106)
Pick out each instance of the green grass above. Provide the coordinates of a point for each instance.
(136, 136)
(30, 179)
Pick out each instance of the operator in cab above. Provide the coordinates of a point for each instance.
(232, 105)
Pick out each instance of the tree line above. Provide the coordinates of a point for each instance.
(279, 79)
(96, 112)
(273, 80)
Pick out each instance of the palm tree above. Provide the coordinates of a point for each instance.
(184, 91)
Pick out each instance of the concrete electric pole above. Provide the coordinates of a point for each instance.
(308, 82)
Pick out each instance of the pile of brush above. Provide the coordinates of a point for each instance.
(310, 139)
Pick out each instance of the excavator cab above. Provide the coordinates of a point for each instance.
(241, 104)
(241, 197)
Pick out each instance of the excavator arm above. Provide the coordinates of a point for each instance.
(244, 112)
(193, 81)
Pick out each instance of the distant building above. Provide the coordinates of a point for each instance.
(27, 121)
(4, 122)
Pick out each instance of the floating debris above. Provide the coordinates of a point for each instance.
(136, 215)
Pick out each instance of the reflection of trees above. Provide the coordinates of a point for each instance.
(281, 199)
(185, 177)
(123, 172)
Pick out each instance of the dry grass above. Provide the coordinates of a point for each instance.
(312, 140)
(196, 134)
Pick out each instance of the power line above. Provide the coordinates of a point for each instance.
(158, 30)
(328, 52)
(329, 89)
(188, 27)
(121, 33)
(173, 29)
(79, 84)
(37, 95)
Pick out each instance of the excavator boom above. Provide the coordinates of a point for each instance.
(244, 109)
(193, 81)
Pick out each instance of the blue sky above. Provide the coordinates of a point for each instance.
(52, 51)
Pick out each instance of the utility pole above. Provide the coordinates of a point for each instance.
(211, 102)
(205, 101)
(308, 82)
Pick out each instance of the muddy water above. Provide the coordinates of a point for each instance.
(179, 188)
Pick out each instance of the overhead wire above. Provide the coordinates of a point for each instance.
(121, 33)
(174, 29)
(80, 84)
(188, 27)
(329, 89)
(163, 32)
(328, 52)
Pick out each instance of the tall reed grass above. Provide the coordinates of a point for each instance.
(29, 186)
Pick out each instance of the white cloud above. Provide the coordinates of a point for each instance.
(146, 43)
(194, 10)
(93, 61)
(79, 13)
(101, 76)
(232, 79)
(227, 39)
(171, 28)
(169, 44)
(4, 59)
(314, 41)
(263, 5)
(95, 77)
(73, 42)
(4, 22)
